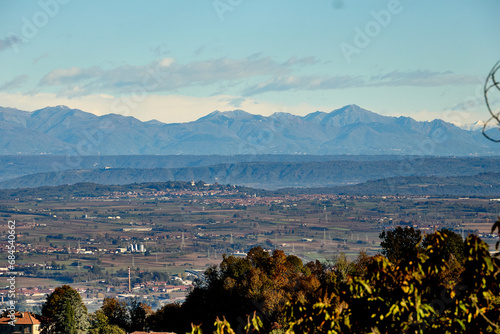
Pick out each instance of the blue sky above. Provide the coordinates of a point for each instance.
(176, 61)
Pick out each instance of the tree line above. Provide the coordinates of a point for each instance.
(438, 283)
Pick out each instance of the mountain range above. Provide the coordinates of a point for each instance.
(348, 130)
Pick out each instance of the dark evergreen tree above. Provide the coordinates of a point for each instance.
(66, 312)
(138, 312)
(400, 244)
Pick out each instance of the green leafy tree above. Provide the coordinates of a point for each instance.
(66, 312)
(68, 323)
(407, 297)
(342, 266)
(116, 311)
(99, 324)
(139, 312)
(400, 243)
(170, 317)
(453, 244)
(448, 248)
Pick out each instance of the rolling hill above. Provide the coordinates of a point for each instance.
(269, 175)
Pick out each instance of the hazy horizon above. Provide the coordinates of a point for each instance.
(175, 61)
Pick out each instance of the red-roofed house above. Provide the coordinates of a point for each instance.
(24, 323)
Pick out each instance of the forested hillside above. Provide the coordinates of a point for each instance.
(269, 175)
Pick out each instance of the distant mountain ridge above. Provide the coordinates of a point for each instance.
(484, 184)
(270, 174)
(348, 130)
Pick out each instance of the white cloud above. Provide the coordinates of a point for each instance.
(292, 82)
(165, 62)
(424, 78)
(417, 78)
(248, 76)
(167, 75)
(16, 82)
(68, 76)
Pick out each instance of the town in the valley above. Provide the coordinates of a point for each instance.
(154, 244)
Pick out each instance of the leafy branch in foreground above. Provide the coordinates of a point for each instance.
(410, 297)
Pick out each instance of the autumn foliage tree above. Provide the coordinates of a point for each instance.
(260, 283)
(439, 285)
(116, 312)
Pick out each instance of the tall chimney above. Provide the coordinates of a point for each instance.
(129, 286)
